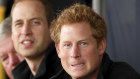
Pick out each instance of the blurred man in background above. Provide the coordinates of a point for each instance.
(8, 55)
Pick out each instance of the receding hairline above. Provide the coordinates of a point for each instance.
(19, 1)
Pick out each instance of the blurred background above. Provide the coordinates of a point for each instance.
(122, 18)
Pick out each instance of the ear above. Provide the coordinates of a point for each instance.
(102, 47)
(57, 49)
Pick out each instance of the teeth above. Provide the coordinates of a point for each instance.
(27, 42)
(78, 65)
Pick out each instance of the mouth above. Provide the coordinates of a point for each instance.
(77, 65)
(27, 43)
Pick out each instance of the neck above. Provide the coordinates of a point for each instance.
(34, 63)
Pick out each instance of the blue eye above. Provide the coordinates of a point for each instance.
(83, 43)
(68, 45)
(35, 23)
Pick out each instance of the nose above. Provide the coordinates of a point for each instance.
(26, 29)
(75, 53)
(13, 60)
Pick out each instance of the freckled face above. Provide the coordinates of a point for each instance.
(78, 50)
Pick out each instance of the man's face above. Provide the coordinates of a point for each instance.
(78, 50)
(8, 56)
(30, 32)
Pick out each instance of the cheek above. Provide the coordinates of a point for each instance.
(7, 68)
(64, 59)
(40, 34)
(90, 54)
(15, 36)
(15, 31)
(9, 71)
(6, 63)
(64, 55)
(40, 30)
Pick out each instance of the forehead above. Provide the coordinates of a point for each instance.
(82, 27)
(76, 31)
(28, 8)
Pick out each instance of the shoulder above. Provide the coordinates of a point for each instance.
(117, 70)
(20, 66)
(21, 71)
(61, 75)
(122, 70)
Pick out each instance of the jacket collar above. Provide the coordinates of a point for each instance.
(47, 67)
(104, 66)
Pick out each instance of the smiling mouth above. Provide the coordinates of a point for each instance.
(27, 42)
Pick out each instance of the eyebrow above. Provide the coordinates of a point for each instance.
(16, 21)
(37, 18)
(65, 41)
(78, 40)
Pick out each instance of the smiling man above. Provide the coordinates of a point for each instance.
(80, 37)
(31, 38)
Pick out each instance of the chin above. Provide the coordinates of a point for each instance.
(77, 75)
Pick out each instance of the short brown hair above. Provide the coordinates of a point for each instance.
(76, 14)
(47, 7)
